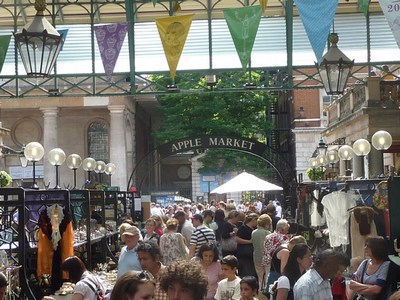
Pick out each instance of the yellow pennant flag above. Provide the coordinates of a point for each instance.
(173, 32)
(263, 4)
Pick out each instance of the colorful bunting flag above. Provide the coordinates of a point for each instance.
(177, 6)
(392, 16)
(317, 17)
(263, 4)
(154, 2)
(4, 43)
(173, 32)
(63, 33)
(363, 5)
(110, 39)
(243, 25)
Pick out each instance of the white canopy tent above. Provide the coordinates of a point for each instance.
(245, 182)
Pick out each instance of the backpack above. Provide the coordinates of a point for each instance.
(97, 290)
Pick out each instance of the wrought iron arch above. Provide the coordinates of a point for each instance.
(249, 146)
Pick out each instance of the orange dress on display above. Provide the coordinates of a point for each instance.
(56, 243)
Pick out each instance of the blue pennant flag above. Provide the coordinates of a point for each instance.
(63, 33)
(317, 17)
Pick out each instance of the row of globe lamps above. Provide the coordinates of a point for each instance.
(381, 141)
(34, 152)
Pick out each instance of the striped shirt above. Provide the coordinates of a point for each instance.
(202, 235)
(311, 286)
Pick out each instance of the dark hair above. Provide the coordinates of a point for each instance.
(3, 280)
(75, 268)
(127, 285)
(219, 216)
(208, 212)
(208, 247)
(230, 260)
(322, 257)
(149, 247)
(344, 258)
(251, 281)
(292, 269)
(188, 274)
(378, 246)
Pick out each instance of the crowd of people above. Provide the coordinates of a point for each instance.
(225, 252)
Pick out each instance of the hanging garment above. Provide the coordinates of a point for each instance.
(336, 205)
(56, 243)
(317, 219)
(357, 238)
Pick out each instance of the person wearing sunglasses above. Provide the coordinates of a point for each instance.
(134, 285)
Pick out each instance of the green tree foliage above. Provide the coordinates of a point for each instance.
(229, 113)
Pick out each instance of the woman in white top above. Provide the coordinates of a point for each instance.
(87, 285)
(300, 260)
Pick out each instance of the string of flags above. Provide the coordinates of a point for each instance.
(243, 24)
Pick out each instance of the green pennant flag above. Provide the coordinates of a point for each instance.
(154, 2)
(243, 25)
(363, 5)
(4, 43)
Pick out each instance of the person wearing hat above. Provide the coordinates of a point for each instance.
(201, 235)
(128, 259)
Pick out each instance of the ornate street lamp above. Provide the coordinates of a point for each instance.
(335, 68)
(321, 160)
(100, 168)
(346, 153)
(362, 147)
(74, 161)
(332, 157)
(89, 164)
(56, 157)
(110, 169)
(381, 141)
(313, 165)
(322, 147)
(34, 152)
(38, 44)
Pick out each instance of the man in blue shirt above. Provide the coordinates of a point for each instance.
(128, 259)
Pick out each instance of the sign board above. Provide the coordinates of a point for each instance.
(26, 173)
(209, 178)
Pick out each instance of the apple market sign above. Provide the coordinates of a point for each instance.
(208, 142)
(254, 147)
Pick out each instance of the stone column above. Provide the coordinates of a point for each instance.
(50, 141)
(118, 145)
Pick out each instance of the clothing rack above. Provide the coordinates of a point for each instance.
(19, 212)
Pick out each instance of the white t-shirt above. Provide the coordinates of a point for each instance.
(228, 290)
(83, 289)
(283, 283)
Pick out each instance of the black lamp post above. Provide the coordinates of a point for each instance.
(335, 68)
(38, 44)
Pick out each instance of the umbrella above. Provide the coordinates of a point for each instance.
(245, 182)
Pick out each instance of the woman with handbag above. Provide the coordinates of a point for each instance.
(227, 231)
(369, 281)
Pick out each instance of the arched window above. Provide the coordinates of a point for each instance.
(98, 147)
